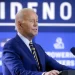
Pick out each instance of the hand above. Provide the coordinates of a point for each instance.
(52, 72)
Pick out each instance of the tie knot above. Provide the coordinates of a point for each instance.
(31, 46)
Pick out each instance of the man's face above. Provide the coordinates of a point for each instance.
(30, 24)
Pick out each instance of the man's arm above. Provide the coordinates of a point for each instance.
(14, 64)
(50, 62)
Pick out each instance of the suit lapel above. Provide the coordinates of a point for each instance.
(25, 48)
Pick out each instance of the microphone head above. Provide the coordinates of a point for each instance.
(73, 50)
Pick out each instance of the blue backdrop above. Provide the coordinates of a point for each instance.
(56, 26)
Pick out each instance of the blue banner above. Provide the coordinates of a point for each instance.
(50, 13)
(56, 26)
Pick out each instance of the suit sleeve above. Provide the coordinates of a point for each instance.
(14, 64)
(53, 64)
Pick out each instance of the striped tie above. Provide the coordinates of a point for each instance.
(33, 50)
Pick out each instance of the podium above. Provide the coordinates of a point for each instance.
(67, 72)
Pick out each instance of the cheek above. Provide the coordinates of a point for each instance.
(29, 29)
(25, 26)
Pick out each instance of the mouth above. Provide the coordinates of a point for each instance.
(34, 29)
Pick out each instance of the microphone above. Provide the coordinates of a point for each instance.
(73, 50)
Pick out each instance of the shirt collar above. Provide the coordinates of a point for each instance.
(24, 39)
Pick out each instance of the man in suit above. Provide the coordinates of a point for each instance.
(20, 57)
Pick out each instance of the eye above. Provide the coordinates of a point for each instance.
(31, 20)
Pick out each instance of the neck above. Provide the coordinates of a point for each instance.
(28, 37)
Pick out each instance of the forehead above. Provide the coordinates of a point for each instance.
(30, 14)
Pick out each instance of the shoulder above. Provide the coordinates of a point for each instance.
(10, 43)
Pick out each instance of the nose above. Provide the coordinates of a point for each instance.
(35, 23)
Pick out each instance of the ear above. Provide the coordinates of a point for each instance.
(19, 23)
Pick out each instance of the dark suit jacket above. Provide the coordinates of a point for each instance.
(18, 60)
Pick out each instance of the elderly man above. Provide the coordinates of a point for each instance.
(21, 56)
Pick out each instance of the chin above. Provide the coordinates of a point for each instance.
(33, 34)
